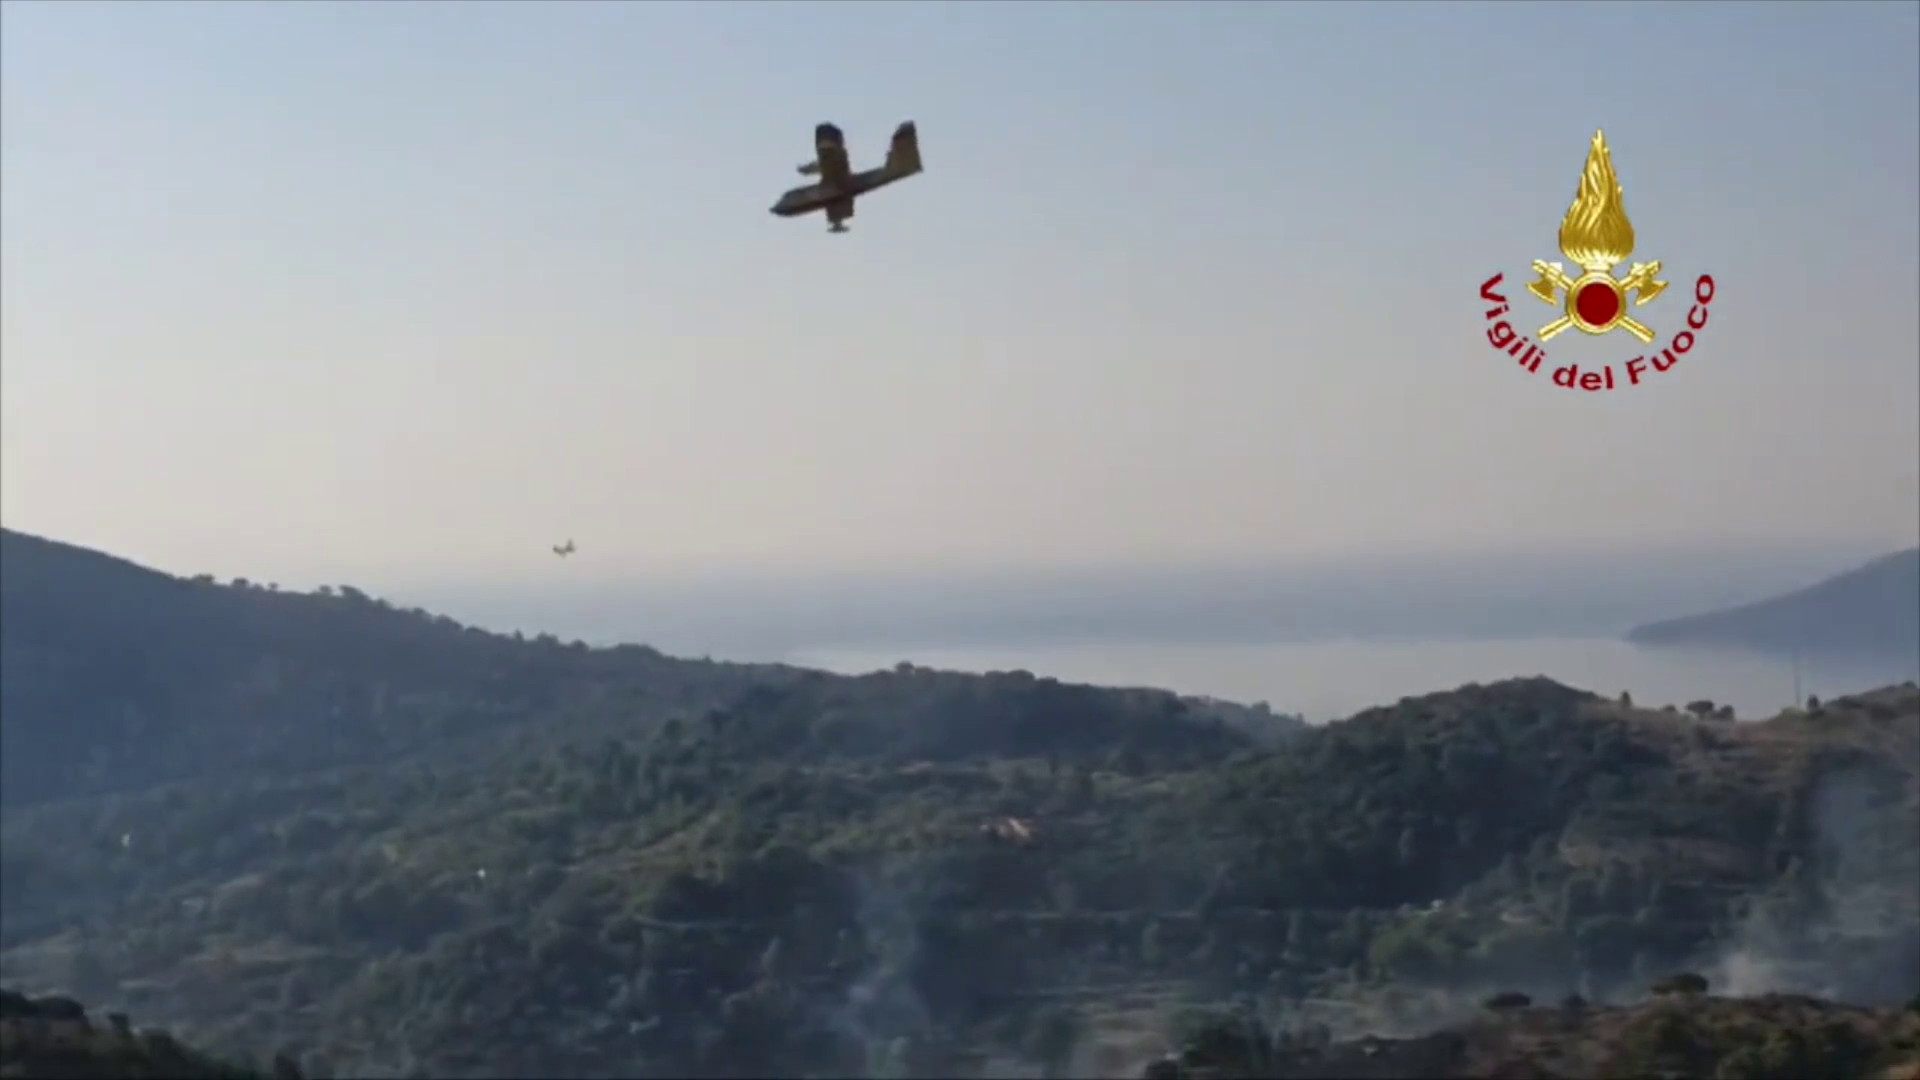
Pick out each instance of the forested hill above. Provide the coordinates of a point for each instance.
(557, 860)
(1870, 610)
(118, 677)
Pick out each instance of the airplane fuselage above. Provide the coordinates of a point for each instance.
(810, 198)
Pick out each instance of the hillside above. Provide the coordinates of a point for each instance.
(1671, 1034)
(119, 678)
(54, 1037)
(1871, 610)
(654, 867)
(674, 905)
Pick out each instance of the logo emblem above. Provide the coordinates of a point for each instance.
(1596, 236)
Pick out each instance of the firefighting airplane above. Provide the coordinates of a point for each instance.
(839, 185)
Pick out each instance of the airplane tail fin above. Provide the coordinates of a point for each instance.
(903, 157)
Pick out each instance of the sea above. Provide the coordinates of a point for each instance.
(1328, 680)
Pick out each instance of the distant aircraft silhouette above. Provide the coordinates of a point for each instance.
(839, 185)
(563, 550)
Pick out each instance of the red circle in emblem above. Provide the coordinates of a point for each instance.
(1597, 304)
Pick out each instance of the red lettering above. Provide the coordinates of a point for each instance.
(1502, 336)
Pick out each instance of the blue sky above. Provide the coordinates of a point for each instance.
(301, 289)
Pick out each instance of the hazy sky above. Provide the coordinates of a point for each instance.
(310, 290)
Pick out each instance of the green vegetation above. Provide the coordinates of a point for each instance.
(125, 678)
(386, 843)
(1777, 1037)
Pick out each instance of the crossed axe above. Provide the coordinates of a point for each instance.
(1639, 281)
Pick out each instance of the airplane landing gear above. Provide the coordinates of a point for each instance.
(837, 227)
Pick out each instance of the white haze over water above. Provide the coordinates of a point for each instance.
(1323, 639)
(1330, 679)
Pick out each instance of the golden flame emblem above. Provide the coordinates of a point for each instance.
(1596, 235)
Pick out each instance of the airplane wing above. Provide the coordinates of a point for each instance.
(830, 151)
